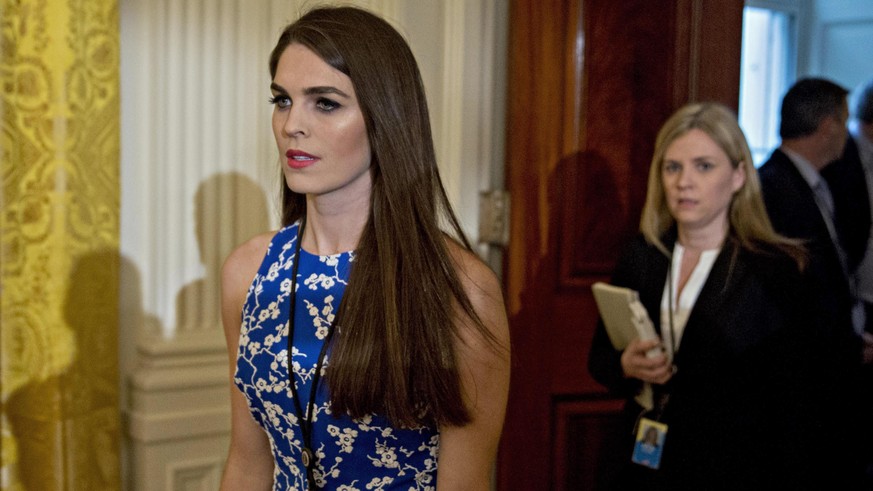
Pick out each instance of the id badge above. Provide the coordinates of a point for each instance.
(649, 443)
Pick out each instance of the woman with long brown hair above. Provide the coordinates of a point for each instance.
(369, 347)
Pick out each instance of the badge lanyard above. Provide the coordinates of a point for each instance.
(307, 454)
(673, 345)
(646, 453)
(664, 395)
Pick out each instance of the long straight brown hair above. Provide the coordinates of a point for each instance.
(393, 350)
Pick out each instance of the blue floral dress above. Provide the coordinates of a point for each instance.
(353, 454)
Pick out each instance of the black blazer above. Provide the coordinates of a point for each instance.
(793, 211)
(836, 380)
(737, 409)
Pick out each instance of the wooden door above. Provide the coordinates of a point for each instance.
(590, 83)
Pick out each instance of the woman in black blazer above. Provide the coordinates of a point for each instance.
(727, 296)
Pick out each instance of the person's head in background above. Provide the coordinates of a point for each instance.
(702, 180)
(813, 120)
(862, 111)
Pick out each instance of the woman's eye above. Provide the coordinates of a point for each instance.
(280, 101)
(671, 167)
(326, 105)
(704, 166)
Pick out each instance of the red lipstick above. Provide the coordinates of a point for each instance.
(298, 159)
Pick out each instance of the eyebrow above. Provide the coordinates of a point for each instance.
(693, 159)
(318, 90)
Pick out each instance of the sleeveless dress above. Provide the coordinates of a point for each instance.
(353, 454)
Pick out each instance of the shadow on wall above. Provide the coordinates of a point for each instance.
(595, 213)
(229, 208)
(67, 427)
(589, 220)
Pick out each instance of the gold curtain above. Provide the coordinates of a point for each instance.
(59, 162)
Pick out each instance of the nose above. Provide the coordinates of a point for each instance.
(295, 124)
(683, 179)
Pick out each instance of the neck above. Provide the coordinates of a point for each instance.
(332, 228)
(809, 150)
(701, 240)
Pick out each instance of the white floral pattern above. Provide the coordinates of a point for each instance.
(353, 455)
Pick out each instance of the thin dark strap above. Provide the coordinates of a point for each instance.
(306, 419)
(307, 455)
(293, 307)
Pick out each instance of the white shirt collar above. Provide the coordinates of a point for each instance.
(809, 173)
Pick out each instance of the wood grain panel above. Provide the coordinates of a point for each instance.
(590, 83)
(626, 92)
(708, 51)
(583, 454)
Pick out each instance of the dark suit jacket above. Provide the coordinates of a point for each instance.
(848, 184)
(737, 409)
(836, 381)
(793, 211)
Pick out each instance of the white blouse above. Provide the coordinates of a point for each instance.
(681, 308)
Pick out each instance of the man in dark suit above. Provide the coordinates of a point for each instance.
(800, 205)
(851, 181)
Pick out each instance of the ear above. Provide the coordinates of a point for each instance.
(739, 177)
(829, 126)
(826, 125)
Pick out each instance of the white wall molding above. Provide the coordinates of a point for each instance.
(195, 474)
(198, 170)
(148, 429)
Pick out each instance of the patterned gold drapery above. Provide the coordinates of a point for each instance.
(59, 163)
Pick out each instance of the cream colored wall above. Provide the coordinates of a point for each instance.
(200, 173)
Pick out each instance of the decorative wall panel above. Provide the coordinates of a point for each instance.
(59, 226)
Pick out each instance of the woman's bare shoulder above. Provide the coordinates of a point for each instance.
(242, 264)
(237, 273)
(476, 276)
(248, 255)
(250, 251)
(483, 289)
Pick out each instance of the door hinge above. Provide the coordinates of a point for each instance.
(494, 217)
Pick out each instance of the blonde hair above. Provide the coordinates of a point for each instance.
(748, 222)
